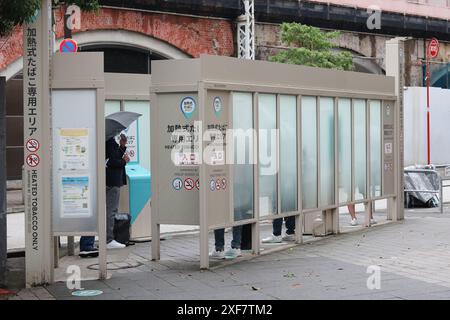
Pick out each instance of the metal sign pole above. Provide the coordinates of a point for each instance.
(428, 106)
(3, 245)
(432, 52)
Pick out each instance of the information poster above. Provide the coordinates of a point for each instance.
(75, 197)
(74, 149)
(133, 140)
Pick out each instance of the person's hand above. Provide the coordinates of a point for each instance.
(126, 158)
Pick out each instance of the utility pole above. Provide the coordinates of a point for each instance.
(3, 246)
(246, 31)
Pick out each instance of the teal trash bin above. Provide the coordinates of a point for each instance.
(135, 200)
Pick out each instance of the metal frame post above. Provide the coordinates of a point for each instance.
(299, 219)
(203, 203)
(335, 213)
(255, 226)
(3, 207)
(246, 31)
(156, 229)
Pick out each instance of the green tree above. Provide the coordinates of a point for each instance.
(312, 47)
(17, 12)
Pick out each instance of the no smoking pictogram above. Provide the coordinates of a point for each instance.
(218, 186)
(224, 183)
(197, 184)
(32, 145)
(189, 184)
(33, 160)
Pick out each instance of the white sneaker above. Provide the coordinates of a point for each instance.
(373, 221)
(217, 254)
(115, 245)
(354, 222)
(272, 239)
(233, 253)
(289, 237)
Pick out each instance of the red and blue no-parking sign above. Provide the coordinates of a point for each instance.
(68, 45)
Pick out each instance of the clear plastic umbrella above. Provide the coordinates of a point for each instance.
(119, 121)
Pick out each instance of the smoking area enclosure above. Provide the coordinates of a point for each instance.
(237, 142)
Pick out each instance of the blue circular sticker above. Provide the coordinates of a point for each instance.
(212, 185)
(87, 293)
(187, 107)
(177, 184)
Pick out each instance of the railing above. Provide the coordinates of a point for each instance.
(442, 179)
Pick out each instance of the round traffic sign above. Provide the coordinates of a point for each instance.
(68, 45)
(433, 48)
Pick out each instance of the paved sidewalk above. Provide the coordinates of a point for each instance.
(413, 255)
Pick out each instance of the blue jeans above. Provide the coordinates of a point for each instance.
(278, 223)
(219, 236)
(112, 205)
(87, 243)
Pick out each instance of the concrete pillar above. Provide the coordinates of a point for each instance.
(36, 90)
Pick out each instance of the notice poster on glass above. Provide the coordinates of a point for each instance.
(132, 141)
(75, 202)
(74, 149)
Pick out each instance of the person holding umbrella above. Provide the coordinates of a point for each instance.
(116, 160)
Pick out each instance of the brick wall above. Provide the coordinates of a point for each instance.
(191, 35)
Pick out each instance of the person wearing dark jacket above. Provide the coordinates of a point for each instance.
(116, 160)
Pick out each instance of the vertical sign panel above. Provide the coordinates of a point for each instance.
(176, 138)
(388, 148)
(74, 161)
(139, 134)
(217, 184)
(36, 140)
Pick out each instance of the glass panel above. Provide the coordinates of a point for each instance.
(375, 148)
(288, 153)
(140, 130)
(326, 111)
(243, 148)
(112, 106)
(359, 117)
(268, 201)
(345, 149)
(309, 153)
